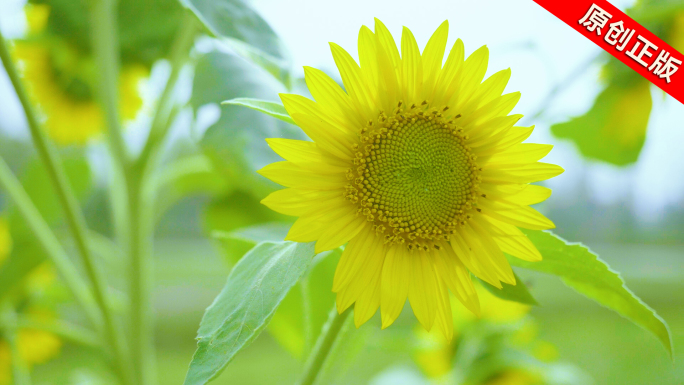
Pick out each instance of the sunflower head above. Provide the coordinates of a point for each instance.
(62, 80)
(419, 167)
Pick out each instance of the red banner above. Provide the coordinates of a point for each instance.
(624, 38)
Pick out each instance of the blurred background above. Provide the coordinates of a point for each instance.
(618, 138)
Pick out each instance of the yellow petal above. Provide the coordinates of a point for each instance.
(368, 302)
(368, 60)
(353, 259)
(449, 76)
(290, 174)
(467, 256)
(301, 151)
(361, 96)
(433, 55)
(388, 77)
(387, 42)
(490, 89)
(411, 67)
(489, 252)
(500, 106)
(396, 276)
(521, 174)
(510, 138)
(521, 216)
(519, 194)
(444, 320)
(523, 153)
(295, 150)
(298, 104)
(474, 70)
(511, 240)
(423, 289)
(330, 96)
(491, 131)
(325, 136)
(372, 267)
(298, 202)
(339, 232)
(457, 277)
(310, 227)
(305, 230)
(377, 70)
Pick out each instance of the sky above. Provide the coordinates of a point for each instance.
(540, 50)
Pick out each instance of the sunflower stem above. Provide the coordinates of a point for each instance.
(105, 44)
(140, 278)
(180, 52)
(323, 347)
(48, 241)
(74, 215)
(140, 202)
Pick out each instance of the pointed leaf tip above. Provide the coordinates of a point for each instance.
(273, 109)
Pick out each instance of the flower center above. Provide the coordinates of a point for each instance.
(413, 176)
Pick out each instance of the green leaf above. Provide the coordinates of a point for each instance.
(280, 69)
(614, 129)
(237, 210)
(238, 25)
(517, 292)
(274, 109)
(267, 232)
(585, 272)
(190, 175)
(242, 310)
(301, 315)
(235, 143)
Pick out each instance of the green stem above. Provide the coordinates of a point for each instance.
(139, 229)
(140, 203)
(48, 241)
(65, 330)
(140, 271)
(323, 347)
(72, 211)
(106, 48)
(179, 54)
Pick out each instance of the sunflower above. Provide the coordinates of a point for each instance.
(62, 82)
(419, 167)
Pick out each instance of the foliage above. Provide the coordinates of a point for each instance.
(614, 128)
(585, 272)
(255, 288)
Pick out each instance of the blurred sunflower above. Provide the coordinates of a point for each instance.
(35, 346)
(435, 356)
(62, 81)
(419, 167)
